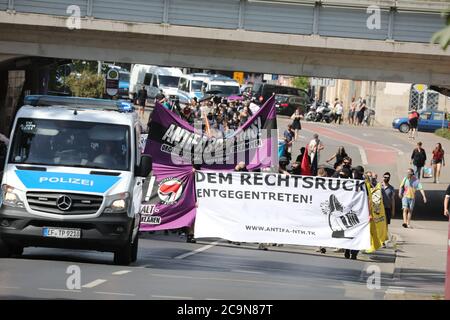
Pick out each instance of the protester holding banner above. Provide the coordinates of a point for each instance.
(339, 156)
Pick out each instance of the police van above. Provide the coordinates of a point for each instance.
(73, 177)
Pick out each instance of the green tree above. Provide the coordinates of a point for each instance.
(301, 82)
(86, 84)
(442, 37)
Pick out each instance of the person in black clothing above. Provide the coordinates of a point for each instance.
(301, 155)
(339, 156)
(142, 98)
(418, 159)
(358, 174)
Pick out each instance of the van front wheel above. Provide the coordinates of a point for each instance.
(5, 251)
(122, 256)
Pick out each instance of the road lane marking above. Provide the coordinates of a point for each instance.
(94, 283)
(121, 272)
(172, 297)
(363, 154)
(260, 282)
(116, 293)
(395, 290)
(6, 287)
(245, 271)
(59, 290)
(204, 248)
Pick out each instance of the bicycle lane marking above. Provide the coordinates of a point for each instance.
(376, 152)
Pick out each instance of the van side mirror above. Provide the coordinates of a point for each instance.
(146, 166)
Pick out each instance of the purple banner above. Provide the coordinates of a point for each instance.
(171, 201)
(173, 141)
(175, 147)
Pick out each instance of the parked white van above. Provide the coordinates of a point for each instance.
(155, 79)
(73, 177)
(224, 86)
(191, 85)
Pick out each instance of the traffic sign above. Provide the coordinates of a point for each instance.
(112, 82)
(239, 77)
(323, 82)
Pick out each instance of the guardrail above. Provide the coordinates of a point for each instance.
(393, 20)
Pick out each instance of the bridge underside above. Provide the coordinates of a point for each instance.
(237, 50)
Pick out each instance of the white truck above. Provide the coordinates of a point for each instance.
(155, 80)
(73, 177)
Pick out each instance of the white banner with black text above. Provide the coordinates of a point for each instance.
(285, 209)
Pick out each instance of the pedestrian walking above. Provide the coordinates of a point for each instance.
(352, 112)
(388, 192)
(314, 148)
(418, 159)
(362, 112)
(339, 110)
(296, 125)
(142, 98)
(437, 162)
(407, 193)
(413, 121)
(339, 157)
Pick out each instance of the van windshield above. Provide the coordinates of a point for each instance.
(196, 85)
(71, 144)
(226, 90)
(168, 81)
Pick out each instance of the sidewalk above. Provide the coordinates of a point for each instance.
(420, 265)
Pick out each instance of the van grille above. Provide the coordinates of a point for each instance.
(47, 202)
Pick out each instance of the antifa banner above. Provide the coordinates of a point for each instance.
(175, 146)
(170, 199)
(275, 208)
(173, 141)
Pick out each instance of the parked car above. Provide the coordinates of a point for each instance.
(430, 120)
(263, 91)
(287, 104)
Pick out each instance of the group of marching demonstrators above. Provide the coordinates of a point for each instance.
(221, 118)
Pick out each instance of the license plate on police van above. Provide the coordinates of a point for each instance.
(62, 233)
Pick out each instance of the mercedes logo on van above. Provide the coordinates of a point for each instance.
(64, 203)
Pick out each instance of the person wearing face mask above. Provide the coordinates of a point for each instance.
(388, 193)
(407, 192)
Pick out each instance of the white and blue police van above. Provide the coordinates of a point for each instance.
(73, 177)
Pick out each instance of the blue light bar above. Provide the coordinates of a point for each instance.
(77, 102)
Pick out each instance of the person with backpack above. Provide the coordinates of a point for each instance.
(418, 159)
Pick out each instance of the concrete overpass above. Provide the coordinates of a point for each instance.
(328, 38)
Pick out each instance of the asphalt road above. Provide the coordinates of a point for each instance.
(170, 268)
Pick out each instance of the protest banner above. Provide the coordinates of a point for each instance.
(275, 208)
